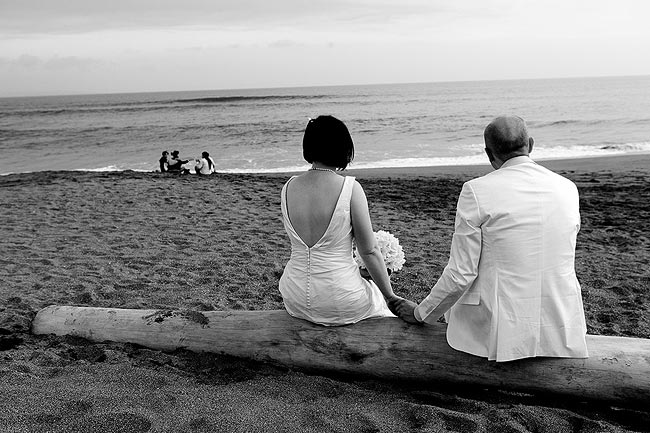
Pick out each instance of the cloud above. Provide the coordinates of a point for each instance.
(79, 16)
(25, 61)
(70, 63)
(21, 18)
(55, 63)
(284, 43)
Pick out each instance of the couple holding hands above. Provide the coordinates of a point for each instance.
(509, 290)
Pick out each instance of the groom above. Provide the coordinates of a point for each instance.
(510, 290)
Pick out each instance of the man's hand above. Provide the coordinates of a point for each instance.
(403, 308)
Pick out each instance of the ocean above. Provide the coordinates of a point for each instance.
(260, 130)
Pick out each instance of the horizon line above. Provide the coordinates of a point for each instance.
(321, 85)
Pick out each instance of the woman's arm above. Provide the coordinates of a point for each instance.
(367, 244)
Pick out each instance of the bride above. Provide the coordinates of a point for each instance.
(323, 212)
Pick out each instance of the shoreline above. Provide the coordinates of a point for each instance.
(605, 162)
(624, 162)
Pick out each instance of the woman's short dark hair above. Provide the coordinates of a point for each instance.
(328, 141)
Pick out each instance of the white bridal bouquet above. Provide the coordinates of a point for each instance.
(391, 250)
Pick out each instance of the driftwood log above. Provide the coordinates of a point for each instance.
(617, 371)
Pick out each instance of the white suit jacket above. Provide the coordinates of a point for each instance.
(510, 290)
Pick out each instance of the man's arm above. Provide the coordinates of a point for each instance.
(462, 269)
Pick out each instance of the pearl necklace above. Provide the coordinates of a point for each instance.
(321, 169)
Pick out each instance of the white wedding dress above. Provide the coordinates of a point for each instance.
(322, 284)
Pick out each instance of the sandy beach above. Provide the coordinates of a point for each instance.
(159, 241)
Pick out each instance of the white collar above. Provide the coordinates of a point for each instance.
(517, 160)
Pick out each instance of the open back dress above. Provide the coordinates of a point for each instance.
(322, 283)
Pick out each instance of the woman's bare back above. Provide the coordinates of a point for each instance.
(311, 201)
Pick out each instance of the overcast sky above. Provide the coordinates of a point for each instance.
(91, 46)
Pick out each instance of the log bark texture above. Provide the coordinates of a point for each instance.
(617, 371)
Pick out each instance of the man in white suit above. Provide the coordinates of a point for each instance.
(510, 290)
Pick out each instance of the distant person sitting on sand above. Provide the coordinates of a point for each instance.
(205, 165)
(510, 289)
(322, 211)
(175, 164)
(164, 162)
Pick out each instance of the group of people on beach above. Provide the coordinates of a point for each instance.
(174, 164)
(509, 290)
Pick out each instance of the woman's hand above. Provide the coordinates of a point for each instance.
(403, 308)
(392, 302)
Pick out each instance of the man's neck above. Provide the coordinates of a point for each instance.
(515, 160)
(505, 158)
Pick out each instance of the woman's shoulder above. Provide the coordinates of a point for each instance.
(291, 179)
(356, 185)
(353, 183)
(358, 195)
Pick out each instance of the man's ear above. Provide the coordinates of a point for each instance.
(530, 144)
(489, 153)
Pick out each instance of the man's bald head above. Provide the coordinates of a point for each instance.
(507, 136)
